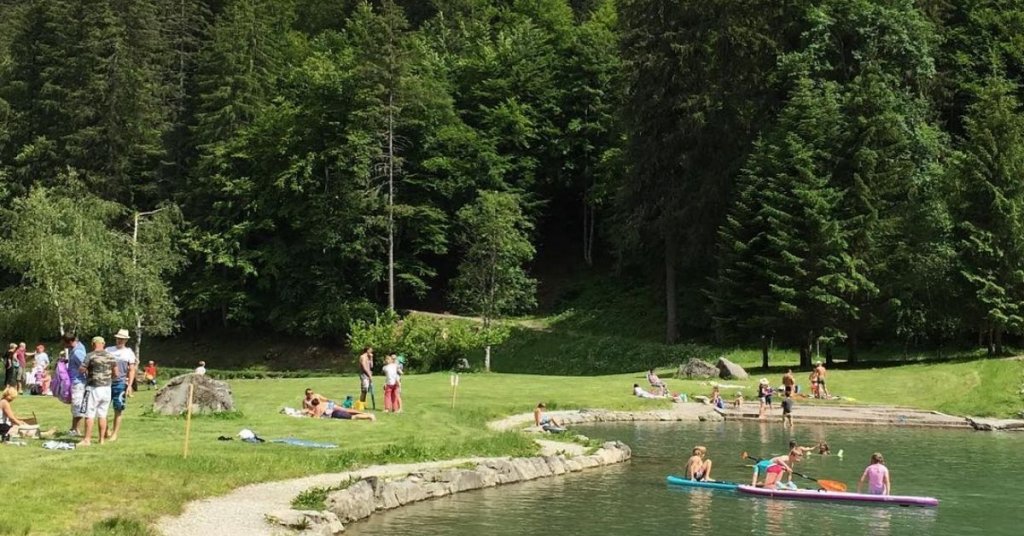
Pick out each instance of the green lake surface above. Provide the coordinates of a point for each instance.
(977, 476)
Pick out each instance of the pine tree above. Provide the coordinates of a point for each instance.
(989, 205)
(784, 267)
(86, 94)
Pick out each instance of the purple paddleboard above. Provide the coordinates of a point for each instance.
(835, 496)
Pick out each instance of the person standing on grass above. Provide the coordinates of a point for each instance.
(150, 375)
(9, 378)
(877, 475)
(121, 388)
(42, 359)
(788, 382)
(101, 370)
(392, 382)
(814, 382)
(365, 372)
(821, 372)
(76, 356)
(19, 363)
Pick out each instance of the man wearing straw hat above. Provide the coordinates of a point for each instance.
(127, 364)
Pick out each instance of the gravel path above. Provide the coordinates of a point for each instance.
(241, 512)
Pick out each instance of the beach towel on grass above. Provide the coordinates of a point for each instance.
(303, 443)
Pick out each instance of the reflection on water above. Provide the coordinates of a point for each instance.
(632, 498)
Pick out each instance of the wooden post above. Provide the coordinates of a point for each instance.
(188, 418)
(455, 387)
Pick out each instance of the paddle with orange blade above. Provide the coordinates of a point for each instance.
(827, 485)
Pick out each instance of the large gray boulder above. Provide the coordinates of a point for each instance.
(696, 368)
(731, 371)
(209, 395)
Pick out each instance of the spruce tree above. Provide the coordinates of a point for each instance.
(989, 205)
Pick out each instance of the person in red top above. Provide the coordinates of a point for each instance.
(19, 356)
(149, 373)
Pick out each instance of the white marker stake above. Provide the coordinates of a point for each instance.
(454, 379)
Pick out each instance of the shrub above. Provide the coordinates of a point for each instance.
(429, 344)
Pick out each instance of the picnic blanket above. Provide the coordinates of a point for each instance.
(303, 443)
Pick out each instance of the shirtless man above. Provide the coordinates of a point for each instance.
(788, 382)
(365, 372)
(697, 468)
(821, 373)
(313, 409)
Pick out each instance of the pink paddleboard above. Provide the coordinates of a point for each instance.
(835, 496)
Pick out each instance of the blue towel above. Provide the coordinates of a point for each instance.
(304, 443)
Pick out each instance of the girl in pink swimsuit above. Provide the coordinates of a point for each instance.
(877, 475)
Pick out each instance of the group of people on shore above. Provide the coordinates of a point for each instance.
(319, 406)
(774, 469)
(90, 382)
(789, 390)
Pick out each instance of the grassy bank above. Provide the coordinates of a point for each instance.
(143, 476)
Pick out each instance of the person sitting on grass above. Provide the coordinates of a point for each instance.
(698, 468)
(543, 421)
(10, 424)
(657, 383)
(311, 409)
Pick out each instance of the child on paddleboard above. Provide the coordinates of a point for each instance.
(877, 475)
(698, 468)
(774, 468)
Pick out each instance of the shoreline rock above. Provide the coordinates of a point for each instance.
(373, 494)
(991, 425)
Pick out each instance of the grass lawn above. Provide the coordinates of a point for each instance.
(143, 476)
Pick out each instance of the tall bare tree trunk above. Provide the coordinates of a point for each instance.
(671, 331)
(588, 231)
(764, 352)
(391, 201)
(851, 347)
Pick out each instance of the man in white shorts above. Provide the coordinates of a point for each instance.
(76, 354)
(100, 368)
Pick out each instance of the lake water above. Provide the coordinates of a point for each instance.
(978, 477)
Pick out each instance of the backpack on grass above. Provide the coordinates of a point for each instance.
(61, 385)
